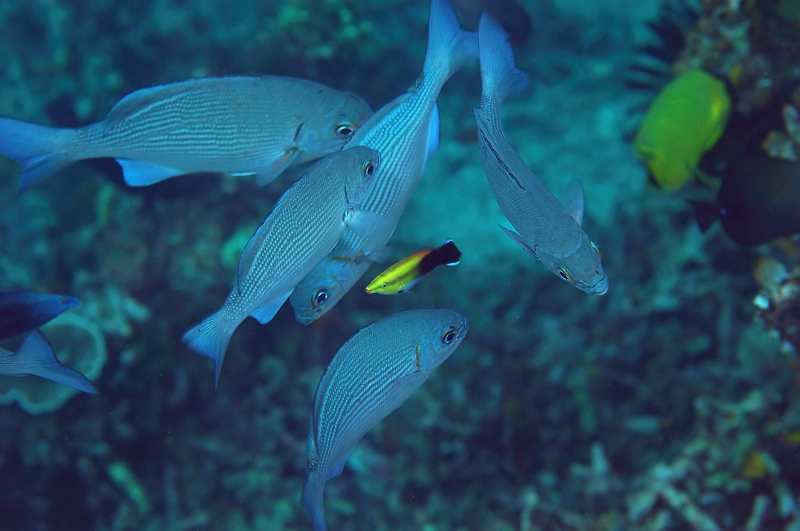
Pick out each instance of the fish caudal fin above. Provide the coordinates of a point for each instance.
(35, 356)
(210, 338)
(500, 78)
(449, 46)
(313, 501)
(41, 150)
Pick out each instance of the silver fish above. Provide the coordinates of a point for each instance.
(406, 132)
(547, 230)
(35, 356)
(371, 376)
(305, 224)
(241, 125)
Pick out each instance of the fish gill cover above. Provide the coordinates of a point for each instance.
(663, 404)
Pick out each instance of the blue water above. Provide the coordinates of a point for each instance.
(664, 404)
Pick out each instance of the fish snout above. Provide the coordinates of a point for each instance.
(600, 287)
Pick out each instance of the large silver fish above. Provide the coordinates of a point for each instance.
(547, 230)
(406, 132)
(35, 357)
(305, 224)
(241, 125)
(371, 376)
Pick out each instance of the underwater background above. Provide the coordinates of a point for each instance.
(670, 403)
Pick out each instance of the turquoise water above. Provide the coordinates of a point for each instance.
(664, 404)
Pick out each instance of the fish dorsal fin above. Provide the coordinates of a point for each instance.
(142, 100)
(574, 201)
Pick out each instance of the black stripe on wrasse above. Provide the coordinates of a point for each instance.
(444, 255)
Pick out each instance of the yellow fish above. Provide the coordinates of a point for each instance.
(684, 121)
(406, 273)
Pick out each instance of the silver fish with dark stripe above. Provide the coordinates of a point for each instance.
(305, 224)
(406, 132)
(371, 376)
(547, 229)
(241, 125)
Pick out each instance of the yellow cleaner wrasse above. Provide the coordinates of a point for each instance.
(684, 121)
(546, 229)
(239, 125)
(406, 132)
(371, 376)
(409, 271)
(305, 224)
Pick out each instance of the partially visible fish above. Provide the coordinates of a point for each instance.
(547, 230)
(409, 271)
(371, 376)
(511, 15)
(305, 224)
(406, 132)
(35, 356)
(240, 125)
(759, 201)
(684, 121)
(21, 311)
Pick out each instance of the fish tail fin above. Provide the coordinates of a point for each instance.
(500, 78)
(35, 356)
(313, 501)
(705, 214)
(449, 46)
(41, 150)
(210, 338)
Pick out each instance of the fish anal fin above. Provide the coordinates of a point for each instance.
(264, 313)
(141, 173)
(269, 172)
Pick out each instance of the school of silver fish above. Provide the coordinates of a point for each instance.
(330, 226)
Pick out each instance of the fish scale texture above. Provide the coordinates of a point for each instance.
(213, 120)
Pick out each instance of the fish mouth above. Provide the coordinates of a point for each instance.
(599, 288)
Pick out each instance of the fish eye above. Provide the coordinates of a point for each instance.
(449, 335)
(369, 168)
(565, 274)
(345, 130)
(596, 249)
(319, 297)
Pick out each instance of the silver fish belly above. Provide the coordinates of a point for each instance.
(371, 376)
(305, 224)
(406, 132)
(242, 125)
(546, 229)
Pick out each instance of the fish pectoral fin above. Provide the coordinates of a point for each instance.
(366, 224)
(141, 173)
(518, 240)
(264, 313)
(379, 256)
(268, 173)
(575, 203)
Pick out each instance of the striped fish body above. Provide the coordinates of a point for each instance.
(256, 125)
(371, 376)
(546, 229)
(406, 132)
(305, 224)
